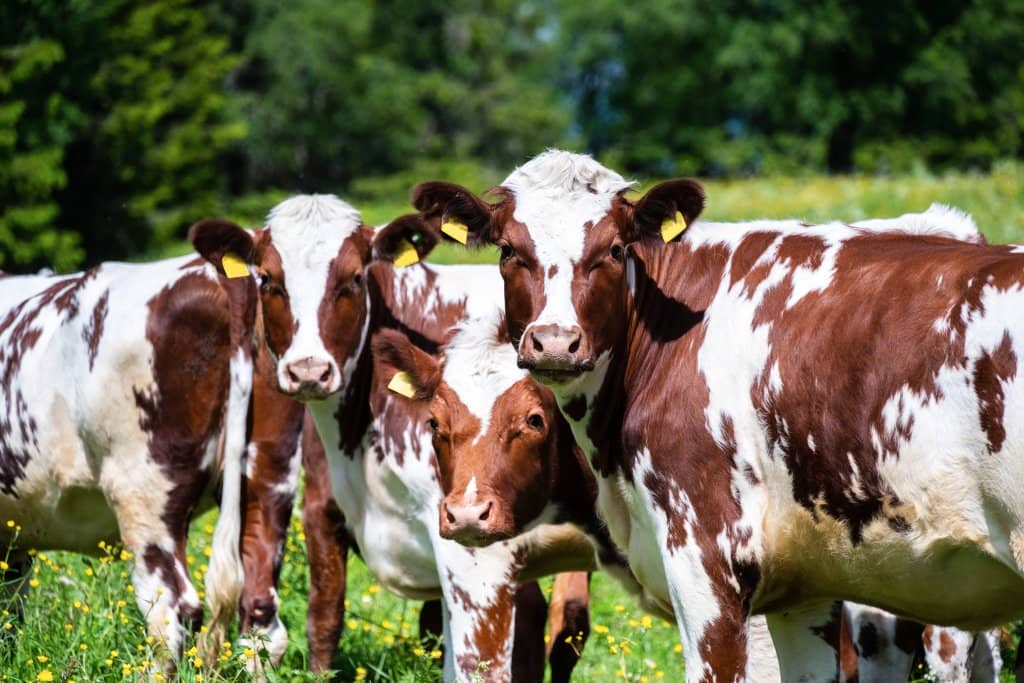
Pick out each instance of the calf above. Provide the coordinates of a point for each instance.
(123, 394)
(779, 415)
(323, 294)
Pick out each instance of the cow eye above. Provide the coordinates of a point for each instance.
(357, 279)
(617, 252)
(432, 423)
(506, 251)
(268, 286)
(535, 421)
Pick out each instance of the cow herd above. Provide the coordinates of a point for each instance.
(778, 435)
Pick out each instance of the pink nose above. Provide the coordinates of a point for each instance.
(308, 377)
(467, 523)
(555, 350)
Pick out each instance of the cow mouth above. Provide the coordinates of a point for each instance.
(556, 373)
(475, 538)
(307, 393)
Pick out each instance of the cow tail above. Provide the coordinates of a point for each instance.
(226, 575)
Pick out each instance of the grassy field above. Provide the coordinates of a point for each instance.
(80, 620)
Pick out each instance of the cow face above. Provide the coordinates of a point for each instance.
(563, 229)
(497, 434)
(310, 262)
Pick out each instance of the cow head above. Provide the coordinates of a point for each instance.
(563, 228)
(310, 262)
(499, 439)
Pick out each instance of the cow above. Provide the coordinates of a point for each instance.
(779, 415)
(327, 283)
(883, 648)
(124, 391)
(272, 470)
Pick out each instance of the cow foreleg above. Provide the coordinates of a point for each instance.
(265, 530)
(327, 545)
(709, 605)
(480, 617)
(528, 641)
(884, 644)
(807, 641)
(569, 623)
(166, 596)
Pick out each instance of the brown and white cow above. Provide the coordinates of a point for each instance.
(323, 294)
(780, 415)
(123, 397)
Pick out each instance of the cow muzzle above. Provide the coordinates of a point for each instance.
(309, 379)
(476, 524)
(555, 354)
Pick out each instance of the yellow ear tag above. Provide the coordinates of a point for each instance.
(456, 230)
(406, 255)
(673, 227)
(234, 266)
(402, 384)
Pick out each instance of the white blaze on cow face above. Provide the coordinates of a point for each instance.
(321, 253)
(559, 198)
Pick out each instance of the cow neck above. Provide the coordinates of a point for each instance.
(426, 326)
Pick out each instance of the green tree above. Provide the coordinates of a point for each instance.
(337, 90)
(778, 85)
(124, 123)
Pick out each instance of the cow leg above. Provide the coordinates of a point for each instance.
(709, 605)
(807, 641)
(431, 624)
(267, 515)
(479, 595)
(884, 644)
(327, 545)
(271, 479)
(987, 662)
(156, 535)
(568, 624)
(961, 657)
(531, 613)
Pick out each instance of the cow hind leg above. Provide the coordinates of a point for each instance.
(568, 623)
(528, 639)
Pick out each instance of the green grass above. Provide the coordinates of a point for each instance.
(81, 624)
(74, 616)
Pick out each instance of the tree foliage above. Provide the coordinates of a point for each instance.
(781, 85)
(111, 129)
(122, 121)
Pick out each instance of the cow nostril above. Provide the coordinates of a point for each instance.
(575, 346)
(537, 346)
(448, 514)
(292, 376)
(325, 376)
(487, 512)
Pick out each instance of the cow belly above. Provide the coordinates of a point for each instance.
(941, 581)
(76, 518)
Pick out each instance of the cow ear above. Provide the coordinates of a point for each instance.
(460, 215)
(224, 244)
(405, 240)
(406, 369)
(665, 212)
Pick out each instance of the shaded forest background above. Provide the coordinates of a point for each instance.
(123, 122)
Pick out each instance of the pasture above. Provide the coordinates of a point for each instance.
(80, 620)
